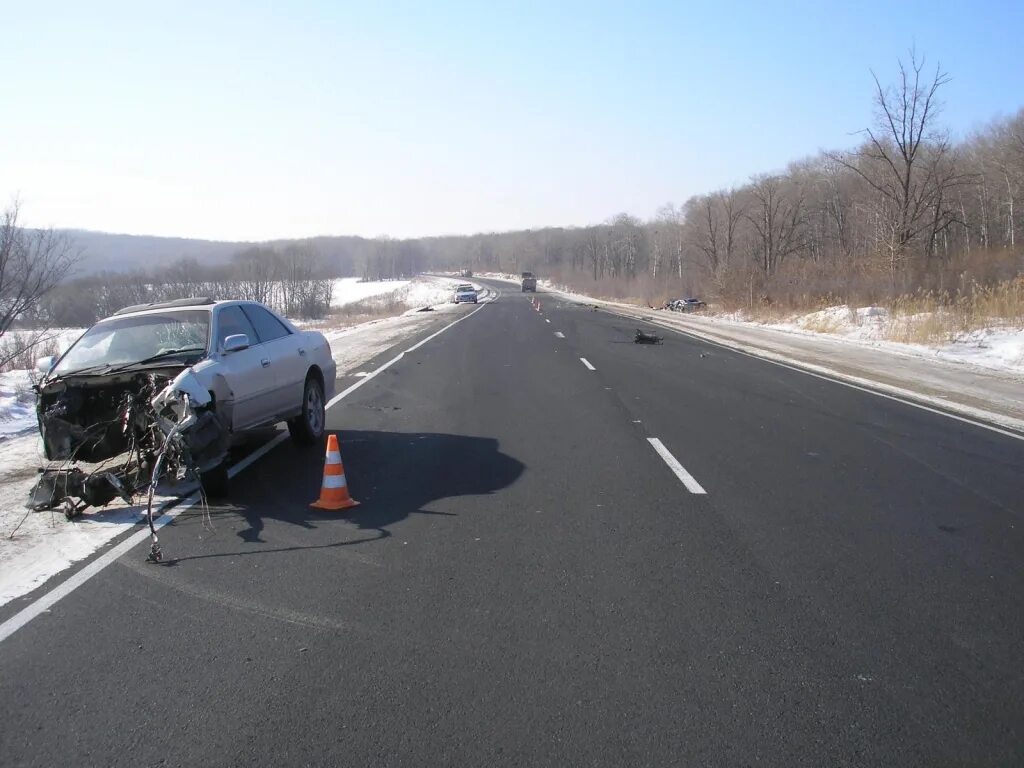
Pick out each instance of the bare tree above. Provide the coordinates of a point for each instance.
(32, 263)
(777, 217)
(256, 269)
(906, 158)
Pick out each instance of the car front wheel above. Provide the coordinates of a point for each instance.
(308, 427)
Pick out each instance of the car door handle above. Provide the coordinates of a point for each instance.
(302, 350)
(265, 362)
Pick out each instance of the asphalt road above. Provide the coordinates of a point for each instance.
(528, 581)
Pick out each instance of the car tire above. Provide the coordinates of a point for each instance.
(308, 427)
(215, 482)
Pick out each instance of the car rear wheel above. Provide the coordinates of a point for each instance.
(308, 427)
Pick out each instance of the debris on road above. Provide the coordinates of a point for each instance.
(647, 338)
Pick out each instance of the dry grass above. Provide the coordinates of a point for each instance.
(823, 324)
(928, 317)
(923, 316)
(370, 308)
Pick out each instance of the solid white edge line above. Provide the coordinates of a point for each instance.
(826, 374)
(680, 471)
(69, 585)
(587, 363)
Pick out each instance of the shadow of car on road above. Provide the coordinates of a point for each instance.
(392, 474)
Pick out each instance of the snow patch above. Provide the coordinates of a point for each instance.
(349, 290)
(17, 403)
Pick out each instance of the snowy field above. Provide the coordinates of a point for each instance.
(423, 291)
(35, 546)
(349, 290)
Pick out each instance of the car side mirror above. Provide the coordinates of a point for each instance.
(44, 364)
(236, 343)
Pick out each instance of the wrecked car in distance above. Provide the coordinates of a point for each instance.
(154, 393)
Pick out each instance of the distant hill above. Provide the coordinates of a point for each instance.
(103, 252)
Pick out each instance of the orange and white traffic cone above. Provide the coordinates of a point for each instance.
(334, 492)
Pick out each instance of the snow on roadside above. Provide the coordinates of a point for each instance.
(17, 403)
(36, 545)
(17, 399)
(995, 347)
(354, 346)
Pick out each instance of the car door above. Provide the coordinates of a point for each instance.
(248, 372)
(288, 360)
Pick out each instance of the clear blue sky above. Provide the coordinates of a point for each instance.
(257, 120)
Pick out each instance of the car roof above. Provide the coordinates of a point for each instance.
(204, 303)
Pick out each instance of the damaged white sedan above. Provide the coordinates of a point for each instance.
(153, 394)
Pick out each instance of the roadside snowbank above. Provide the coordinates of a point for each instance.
(995, 347)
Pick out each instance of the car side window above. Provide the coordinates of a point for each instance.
(267, 326)
(232, 321)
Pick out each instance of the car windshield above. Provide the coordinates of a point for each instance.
(126, 340)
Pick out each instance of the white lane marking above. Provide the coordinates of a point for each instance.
(559, 335)
(69, 585)
(373, 374)
(680, 471)
(65, 588)
(546, 320)
(587, 363)
(823, 373)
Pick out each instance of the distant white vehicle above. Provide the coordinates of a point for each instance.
(465, 294)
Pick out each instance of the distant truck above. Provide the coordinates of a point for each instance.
(467, 273)
(529, 282)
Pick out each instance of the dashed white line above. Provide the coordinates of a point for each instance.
(559, 335)
(680, 471)
(587, 363)
(546, 320)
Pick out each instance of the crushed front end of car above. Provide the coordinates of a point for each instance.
(119, 435)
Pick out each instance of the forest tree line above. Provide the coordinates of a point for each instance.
(908, 209)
